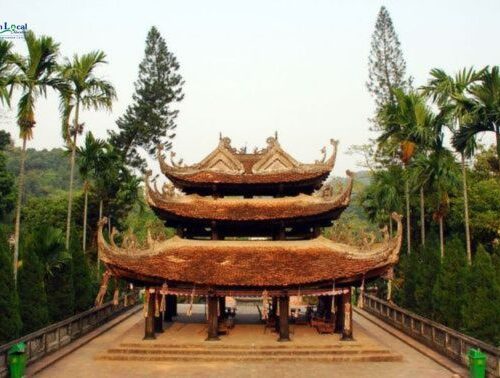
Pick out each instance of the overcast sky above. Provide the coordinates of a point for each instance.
(255, 67)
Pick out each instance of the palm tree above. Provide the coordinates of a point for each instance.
(486, 109)
(36, 73)
(382, 196)
(453, 93)
(89, 158)
(406, 124)
(83, 90)
(7, 76)
(439, 172)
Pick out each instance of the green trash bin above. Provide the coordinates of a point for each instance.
(17, 360)
(477, 363)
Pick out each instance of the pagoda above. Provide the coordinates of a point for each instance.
(249, 224)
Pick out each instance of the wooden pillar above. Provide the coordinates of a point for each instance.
(215, 233)
(284, 302)
(316, 232)
(149, 324)
(274, 313)
(339, 319)
(347, 316)
(328, 307)
(169, 311)
(222, 307)
(213, 324)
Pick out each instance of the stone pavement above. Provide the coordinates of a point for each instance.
(82, 362)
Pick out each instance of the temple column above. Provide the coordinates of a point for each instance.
(274, 313)
(284, 303)
(339, 320)
(316, 232)
(213, 324)
(347, 316)
(170, 308)
(222, 307)
(174, 305)
(328, 307)
(149, 328)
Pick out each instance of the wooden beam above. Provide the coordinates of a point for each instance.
(149, 324)
(284, 303)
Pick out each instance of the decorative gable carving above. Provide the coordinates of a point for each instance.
(222, 159)
(275, 159)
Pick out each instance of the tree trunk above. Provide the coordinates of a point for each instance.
(497, 132)
(390, 225)
(466, 211)
(441, 236)
(20, 190)
(408, 222)
(71, 175)
(422, 215)
(85, 205)
(98, 254)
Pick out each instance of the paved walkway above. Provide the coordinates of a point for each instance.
(82, 363)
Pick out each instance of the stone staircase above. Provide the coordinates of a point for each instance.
(220, 352)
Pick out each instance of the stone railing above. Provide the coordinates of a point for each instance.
(50, 339)
(436, 336)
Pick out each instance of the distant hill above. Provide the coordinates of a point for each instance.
(47, 171)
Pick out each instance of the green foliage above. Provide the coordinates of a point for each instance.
(60, 292)
(484, 209)
(83, 290)
(481, 312)
(7, 193)
(150, 120)
(450, 285)
(47, 171)
(141, 219)
(384, 194)
(10, 320)
(31, 288)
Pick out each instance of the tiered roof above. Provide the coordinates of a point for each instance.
(251, 264)
(231, 170)
(171, 205)
(295, 211)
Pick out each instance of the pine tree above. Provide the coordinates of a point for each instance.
(31, 288)
(10, 321)
(82, 282)
(150, 120)
(387, 67)
(449, 289)
(482, 300)
(427, 270)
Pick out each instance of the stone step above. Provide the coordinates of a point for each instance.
(260, 358)
(255, 352)
(222, 346)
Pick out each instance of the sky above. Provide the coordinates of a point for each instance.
(255, 67)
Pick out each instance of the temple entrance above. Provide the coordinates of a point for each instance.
(279, 315)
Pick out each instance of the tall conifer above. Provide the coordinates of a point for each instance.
(386, 65)
(150, 119)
